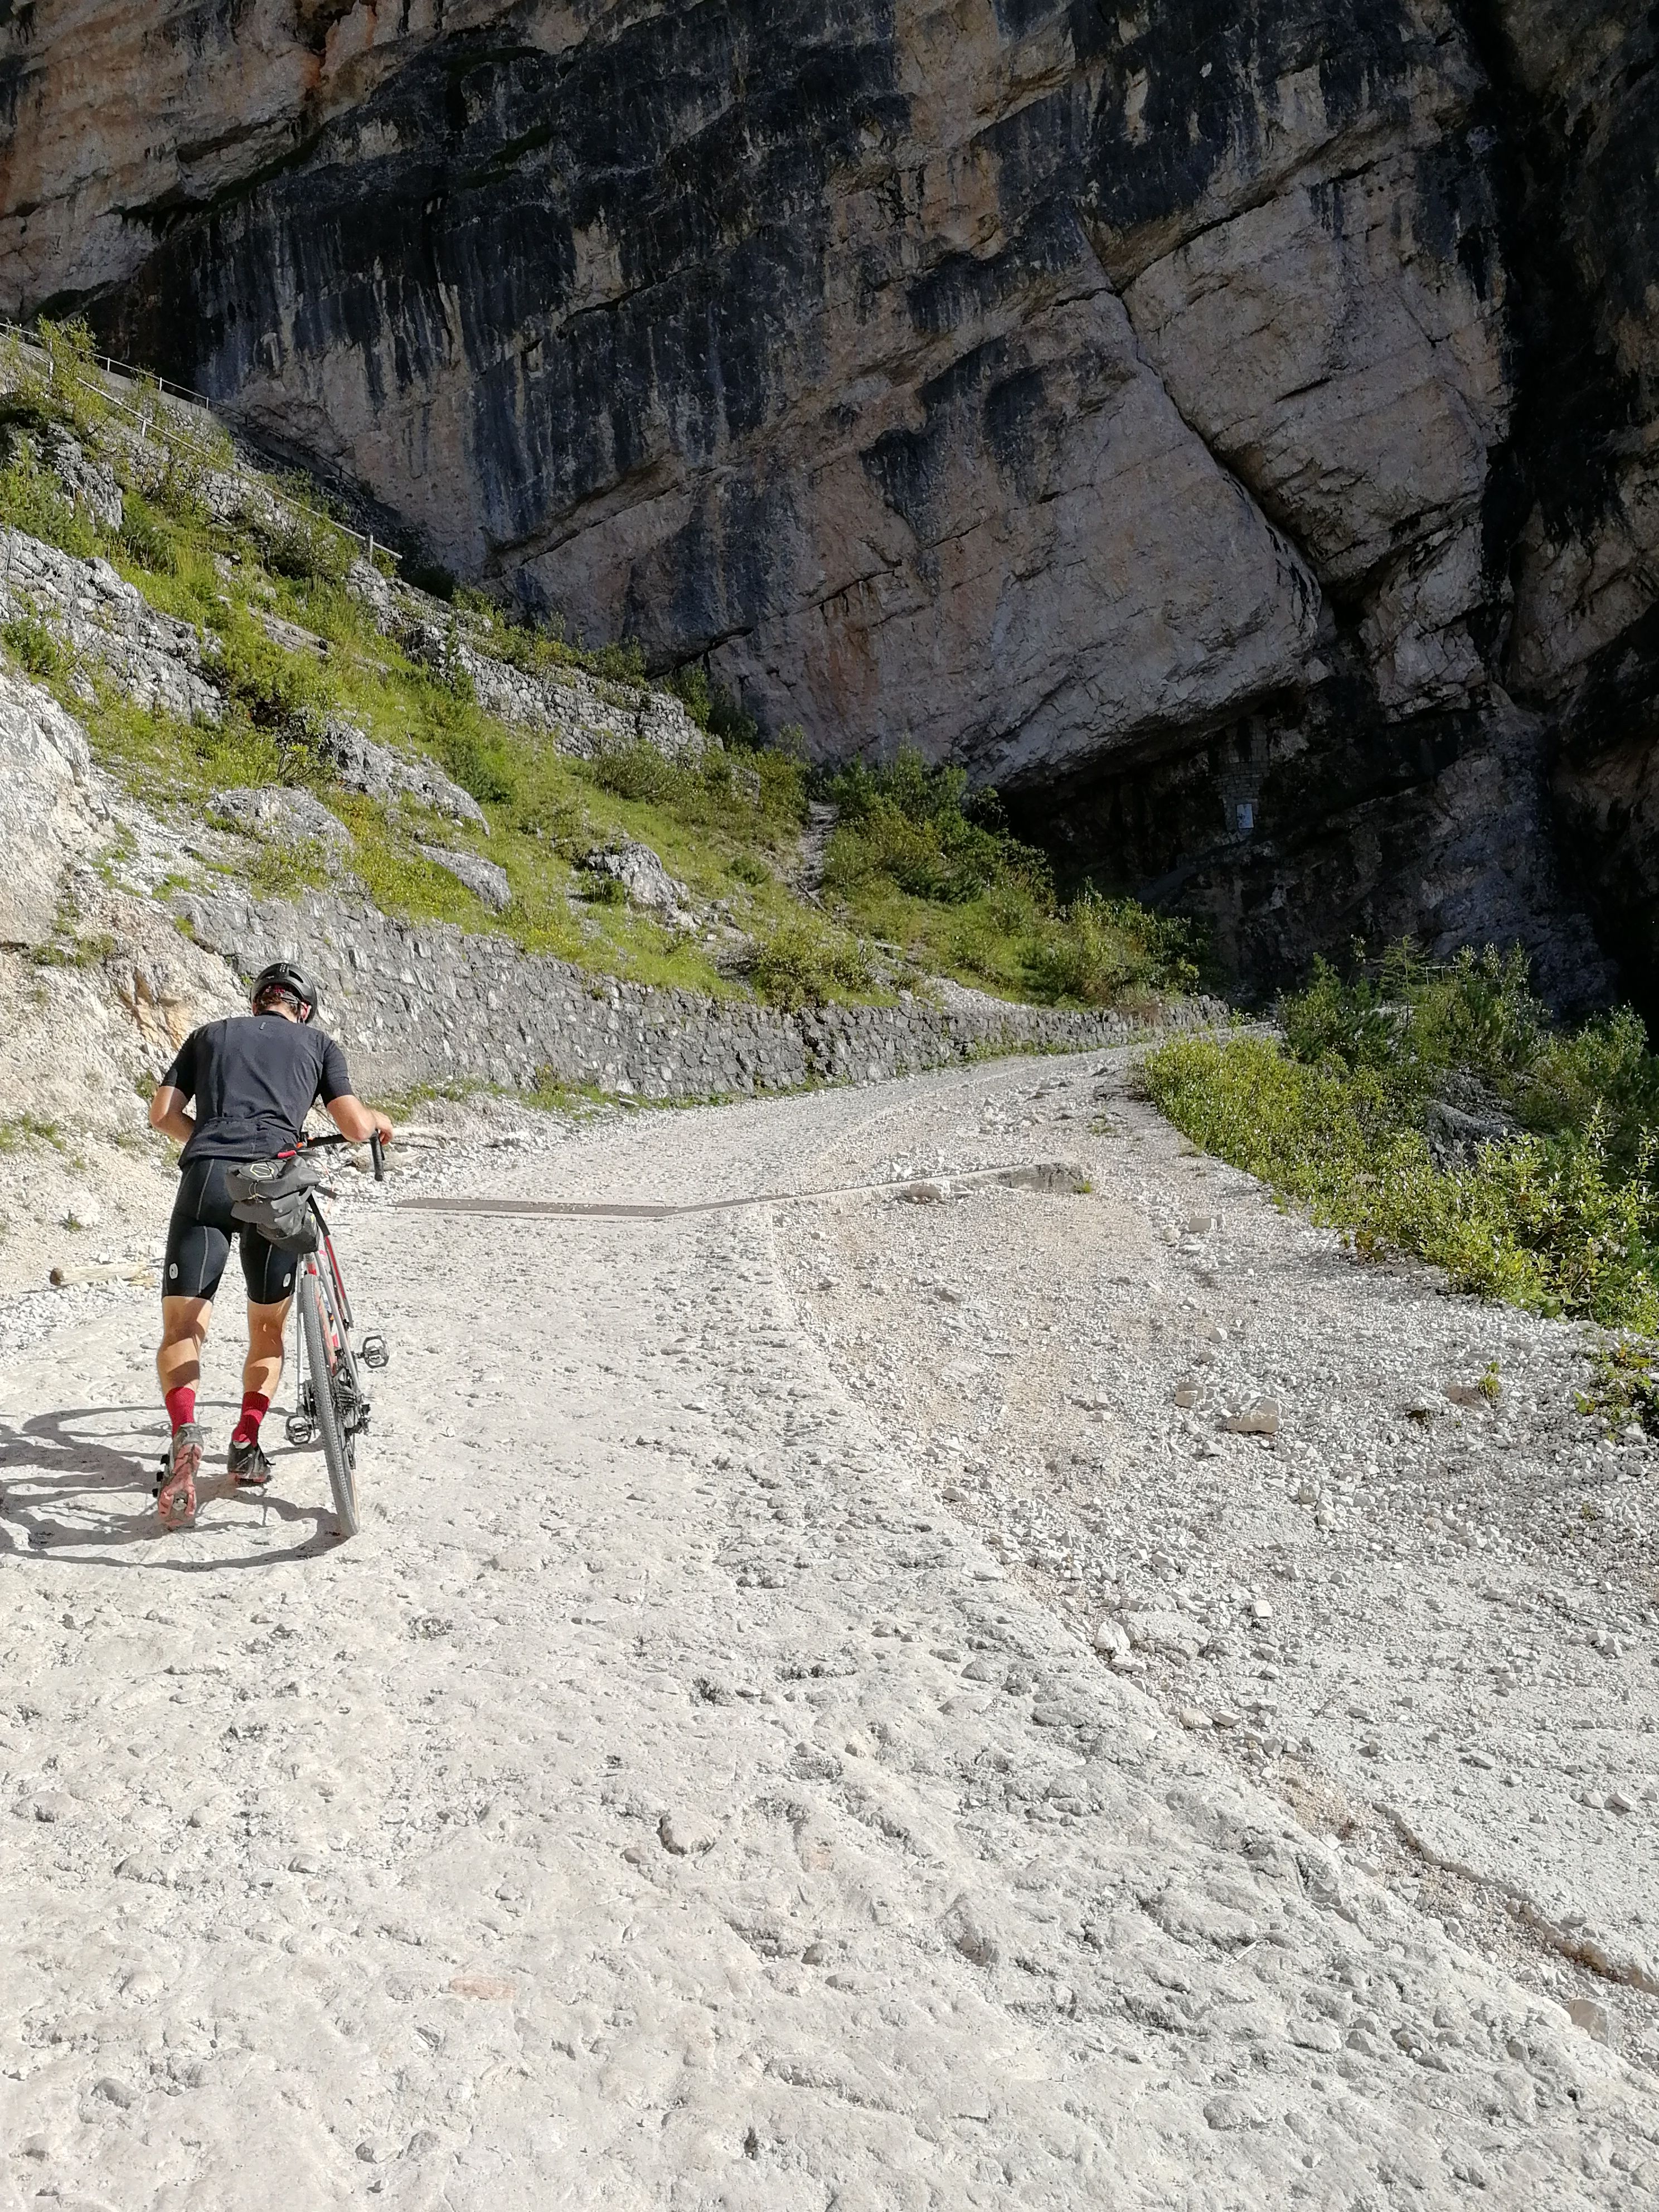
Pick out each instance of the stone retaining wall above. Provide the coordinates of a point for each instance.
(417, 1003)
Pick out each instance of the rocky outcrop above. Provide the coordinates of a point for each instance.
(274, 815)
(1076, 391)
(102, 622)
(357, 763)
(48, 812)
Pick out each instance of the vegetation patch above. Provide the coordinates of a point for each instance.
(1435, 1110)
(18, 1129)
(1624, 1386)
(34, 648)
(918, 861)
(800, 966)
(922, 879)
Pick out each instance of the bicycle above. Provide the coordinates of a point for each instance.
(325, 1354)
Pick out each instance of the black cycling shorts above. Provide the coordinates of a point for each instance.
(198, 1243)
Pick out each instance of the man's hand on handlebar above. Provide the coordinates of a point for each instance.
(358, 1122)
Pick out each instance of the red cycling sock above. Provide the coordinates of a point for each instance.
(181, 1405)
(254, 1409)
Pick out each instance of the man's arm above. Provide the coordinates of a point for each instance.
(346, 1110)
(166, 1114)
(352, 1119)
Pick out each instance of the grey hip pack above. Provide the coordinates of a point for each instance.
(274, 1197)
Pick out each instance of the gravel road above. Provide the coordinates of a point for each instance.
(810, 1722)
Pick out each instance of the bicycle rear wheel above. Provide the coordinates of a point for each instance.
(323, 1360)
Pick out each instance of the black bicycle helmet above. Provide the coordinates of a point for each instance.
(283, 975)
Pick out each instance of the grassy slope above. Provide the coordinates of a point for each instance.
(915, 888)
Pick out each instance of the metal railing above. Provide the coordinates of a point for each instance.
(152, 380)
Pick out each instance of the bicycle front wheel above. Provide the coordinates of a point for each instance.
(323, 1359)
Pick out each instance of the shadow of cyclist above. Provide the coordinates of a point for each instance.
(66, 1493)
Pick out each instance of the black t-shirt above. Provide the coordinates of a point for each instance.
(254, 1079)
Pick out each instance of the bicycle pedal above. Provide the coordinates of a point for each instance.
(299, 1429)
(375, 1354)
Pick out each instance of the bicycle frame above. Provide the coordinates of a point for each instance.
(352, 1406)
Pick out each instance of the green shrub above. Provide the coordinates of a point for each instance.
(798, 966)
(57, 378)
(306, 548)
(1417, 1019)
(148, 537)
(638, 771)
(919, 827)
(618, 664)
(784, 784)
(1098, 952)
(713, 708)
(1623, 1386)
(472, 749)
(741, 793)
(917, 858)
(274, 687)
(32, 500)
(690, 687)
(1562, 1218)
(33, 646)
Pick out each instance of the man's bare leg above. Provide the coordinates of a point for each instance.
(262, 1371)
(179, 1367)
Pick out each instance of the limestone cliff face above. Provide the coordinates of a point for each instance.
(1162, 410)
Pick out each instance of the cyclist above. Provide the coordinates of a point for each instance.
(254, 1079)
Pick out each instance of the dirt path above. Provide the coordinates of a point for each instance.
(671, 1799)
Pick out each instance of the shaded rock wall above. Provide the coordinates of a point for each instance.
(1077, 391)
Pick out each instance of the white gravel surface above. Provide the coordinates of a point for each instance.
(810, 1721)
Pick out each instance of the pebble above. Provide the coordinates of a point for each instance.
(1593, 2016)
(683, 1834)
(1260, 1420)
(1230, 2111)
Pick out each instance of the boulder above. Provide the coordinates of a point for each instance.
(358, 763)
(278, 815)
(645, 880)
(481, 876)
